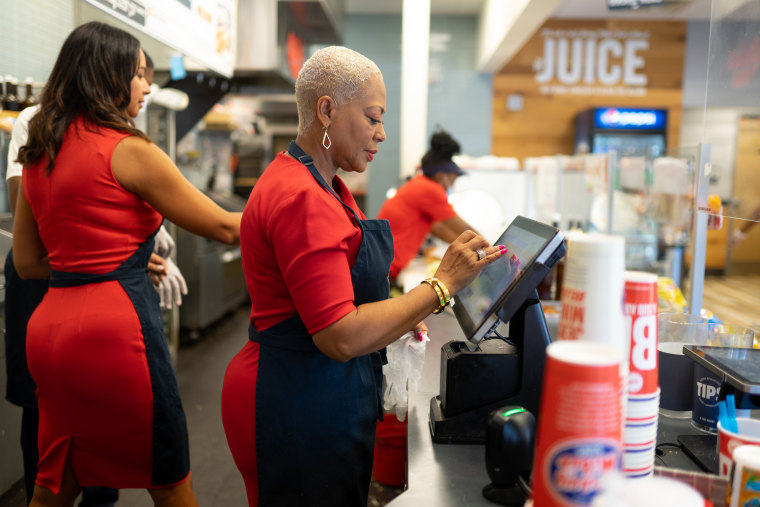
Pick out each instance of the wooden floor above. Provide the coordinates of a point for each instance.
(734, 299)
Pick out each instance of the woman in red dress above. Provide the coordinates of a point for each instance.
(94, 190)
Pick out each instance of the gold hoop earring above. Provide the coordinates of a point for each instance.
(326, 141)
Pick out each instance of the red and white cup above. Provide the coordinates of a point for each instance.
(728, 441)
(640, 310)
(579, 437)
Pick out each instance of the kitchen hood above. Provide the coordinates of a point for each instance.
(273, 36)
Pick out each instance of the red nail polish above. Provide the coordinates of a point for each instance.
(503, 252)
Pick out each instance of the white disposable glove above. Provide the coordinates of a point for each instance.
(404, 369)
(164, 243)
(170, 98)
(172, 287)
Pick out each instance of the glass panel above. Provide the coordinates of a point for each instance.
(732, 126)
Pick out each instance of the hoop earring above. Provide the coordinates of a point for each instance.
(326, 141)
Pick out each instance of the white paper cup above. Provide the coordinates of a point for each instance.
(742, 485)
(642, 410)
(640, 434)
(638, 458)
(639, 473)
(648, 492)
(593, 292)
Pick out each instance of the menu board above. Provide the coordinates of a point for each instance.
(205, 30)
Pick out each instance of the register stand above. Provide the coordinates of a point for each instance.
(488, 370)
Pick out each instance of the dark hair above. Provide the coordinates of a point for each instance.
(148, 60)
(91, 78)
(442, 148)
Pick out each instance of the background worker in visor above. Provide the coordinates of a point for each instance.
(421, 206)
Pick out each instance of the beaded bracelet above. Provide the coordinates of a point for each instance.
(444, 297)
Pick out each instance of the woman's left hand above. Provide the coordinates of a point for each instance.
(419, 330)
(156, 268)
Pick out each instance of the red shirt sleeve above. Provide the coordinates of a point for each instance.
(299, 244)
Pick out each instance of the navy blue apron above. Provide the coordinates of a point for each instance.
(316, 417)
(171, 455)
(21, 298)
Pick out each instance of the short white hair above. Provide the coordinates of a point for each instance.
(336, 71)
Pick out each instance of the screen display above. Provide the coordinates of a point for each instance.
(527, 241)
(742, 366)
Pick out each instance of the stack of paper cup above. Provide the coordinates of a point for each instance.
(579, 437)
(592, 292)
(643, 403)
(742, 486)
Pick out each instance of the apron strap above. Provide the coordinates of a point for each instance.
(69, 279)
(135, 267)
(300, 155)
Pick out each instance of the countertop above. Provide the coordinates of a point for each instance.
(439, 474)
(454, 474)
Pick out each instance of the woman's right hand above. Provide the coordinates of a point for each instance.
(460, 264)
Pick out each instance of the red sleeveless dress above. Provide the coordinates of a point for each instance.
(96, 371)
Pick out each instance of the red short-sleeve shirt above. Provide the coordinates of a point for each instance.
(298, 244)
(414, 209)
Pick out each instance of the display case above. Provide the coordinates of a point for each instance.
(650, 201)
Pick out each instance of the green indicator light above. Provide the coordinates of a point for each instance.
(513, 411)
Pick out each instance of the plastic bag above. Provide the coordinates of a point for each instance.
(405, 359)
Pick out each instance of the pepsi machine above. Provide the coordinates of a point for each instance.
(627, 131)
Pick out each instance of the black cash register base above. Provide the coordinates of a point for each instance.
(490, 371)
(474, 383)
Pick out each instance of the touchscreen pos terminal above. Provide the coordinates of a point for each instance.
(738, 368)
(488, 370)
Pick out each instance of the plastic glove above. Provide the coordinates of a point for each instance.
(172, 287)
(164, 243)
(170, 98)
(405, 359)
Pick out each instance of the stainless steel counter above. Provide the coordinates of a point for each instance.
(439, 474)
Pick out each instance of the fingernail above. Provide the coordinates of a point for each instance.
(514, 257)
(502, 247)
(503, 252)
(419, 335)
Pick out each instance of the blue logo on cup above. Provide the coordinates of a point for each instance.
(576, 468)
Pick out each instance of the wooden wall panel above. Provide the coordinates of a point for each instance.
(746, 185)
(545, 124)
